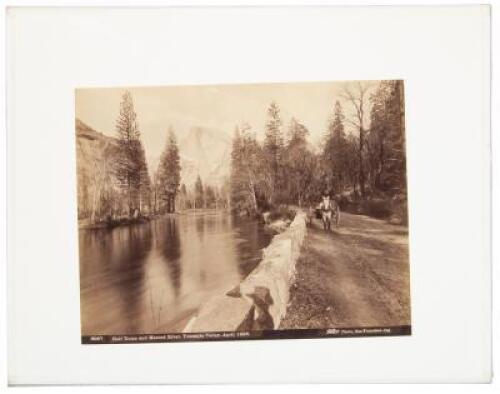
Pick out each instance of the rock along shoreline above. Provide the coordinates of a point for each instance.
(260, 301)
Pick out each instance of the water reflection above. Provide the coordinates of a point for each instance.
(170, 248)
(150, 278)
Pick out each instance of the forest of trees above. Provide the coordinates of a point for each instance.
(119, 185)
(119, 181)
(366, 163)
(361, 158)
(113, 178)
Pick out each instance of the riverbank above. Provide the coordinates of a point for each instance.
(355, 276)
(112, 223)
(117, 222)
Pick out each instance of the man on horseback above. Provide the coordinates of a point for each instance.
(329, 209)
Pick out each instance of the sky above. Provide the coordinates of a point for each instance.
(220, 107)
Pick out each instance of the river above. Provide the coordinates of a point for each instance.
(152, 277)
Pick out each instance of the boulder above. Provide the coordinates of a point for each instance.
(221, 313)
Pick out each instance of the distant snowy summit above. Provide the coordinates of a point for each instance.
(205, 152)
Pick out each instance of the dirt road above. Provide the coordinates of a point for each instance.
(355, 276)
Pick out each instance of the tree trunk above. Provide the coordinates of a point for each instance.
(254, 199)
(361, 167)
(140, 201)
(172, 205)
(154, 202)
(129, 196)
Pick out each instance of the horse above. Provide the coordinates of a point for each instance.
(329, 211)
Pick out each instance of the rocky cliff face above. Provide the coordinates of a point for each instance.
(94, 154)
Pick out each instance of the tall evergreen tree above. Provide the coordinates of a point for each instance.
(235, 180)
(377, 137)
(335, 151)
(273, 152)
(298, 164)
(199, 193)
(352, 163)
(170, 171)
(210, 197)
(387, 138)
(395, 166)
(129, 162)
(247, 171)
(183, 197)
(357, 98)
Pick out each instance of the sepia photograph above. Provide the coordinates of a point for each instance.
(252, 211)
(248, 195)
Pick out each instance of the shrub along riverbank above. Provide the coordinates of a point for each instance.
(393, 210)
(113, 222)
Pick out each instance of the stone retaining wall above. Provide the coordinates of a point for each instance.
(260, 301)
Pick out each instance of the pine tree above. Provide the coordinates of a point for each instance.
(199, 193)
(395, 165)
(297, 133)
(298, 163)
(129, 164)
(273, 151)
(247, 169)
(335, 151)
(170, 172)
(236, 171)
(386, 140)
(352, 162)
(210, 197)
(377, 136)
(357, 98)
(241, 191)
(183, 197)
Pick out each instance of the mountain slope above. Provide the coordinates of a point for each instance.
(94, 153)
(205, 152)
